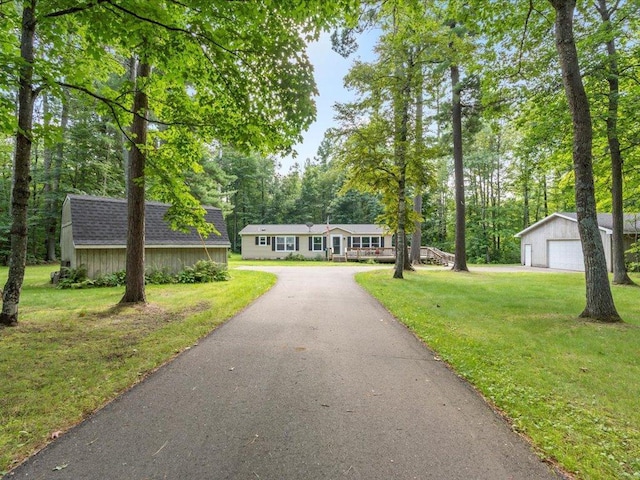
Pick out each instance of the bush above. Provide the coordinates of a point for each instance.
(116, 279)
(157, 276)
(72, 277)
(297, 257)
(202, 272)
(633, 257)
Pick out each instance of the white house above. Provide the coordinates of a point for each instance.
(311, 241)
(554, 241)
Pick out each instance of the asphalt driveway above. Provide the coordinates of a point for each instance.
(315, 380)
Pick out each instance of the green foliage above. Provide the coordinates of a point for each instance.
(158, 276)
(295, 257)
(116, 279)
(633, 257)
(203, 271)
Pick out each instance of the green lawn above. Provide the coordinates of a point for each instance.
(74, 350)
(235, 260)
(571, 386)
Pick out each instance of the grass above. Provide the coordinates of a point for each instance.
(74, 350)
(570, 385)
(235, 260)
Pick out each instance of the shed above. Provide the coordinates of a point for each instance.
(554, 241)
(94, 234)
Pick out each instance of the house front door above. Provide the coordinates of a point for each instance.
(336, 244)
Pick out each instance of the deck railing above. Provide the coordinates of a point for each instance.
(427, 254)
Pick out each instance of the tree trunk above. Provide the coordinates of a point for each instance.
(50, 250)
(22, 158)
(600, 304)
(401, 126)
(416, 238)
(134, 290)
(460, 262)
(52, 207)
(619, 267)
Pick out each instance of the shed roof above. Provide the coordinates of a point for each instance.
(605, 222)
(103, 221)
(302, 229)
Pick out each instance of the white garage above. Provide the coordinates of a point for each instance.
(554, 241)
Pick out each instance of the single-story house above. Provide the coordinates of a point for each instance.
(94, 234)
(554, 241)
(311, 241)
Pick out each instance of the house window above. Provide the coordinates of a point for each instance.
(317, 244)
(285, 244)
(262, 241)
(365, 242)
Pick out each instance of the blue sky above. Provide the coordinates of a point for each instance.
(329, 69)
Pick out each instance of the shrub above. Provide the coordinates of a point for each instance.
(72, 277)
(116, 279)
(202, 272)
(159, 276)
(295, 257)
(633, 257)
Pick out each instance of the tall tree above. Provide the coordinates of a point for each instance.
(600, 305)
(613, 73)
(134, 289)
(460, 261)
(22, 157)
(416, 237)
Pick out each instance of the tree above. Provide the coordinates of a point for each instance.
(134, 290)
(247, 83)
(460, 262)
(600, 304)
(613, 73)
(20, 191)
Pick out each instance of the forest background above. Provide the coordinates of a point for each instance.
(516, 133)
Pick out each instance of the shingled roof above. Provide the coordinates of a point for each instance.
(103, 221)
(302, 229)
(631, 222)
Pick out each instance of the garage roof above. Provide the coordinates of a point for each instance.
(605, 222)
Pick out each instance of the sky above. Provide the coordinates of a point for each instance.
(329, 70)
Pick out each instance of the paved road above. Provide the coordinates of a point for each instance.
(315, 380)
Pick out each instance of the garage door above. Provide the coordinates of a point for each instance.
(565, 255)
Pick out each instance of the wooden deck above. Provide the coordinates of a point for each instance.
(428, 255)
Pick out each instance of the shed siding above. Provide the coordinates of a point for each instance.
(104, 261)
(556, 229)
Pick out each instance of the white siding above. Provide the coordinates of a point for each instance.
(263, 252)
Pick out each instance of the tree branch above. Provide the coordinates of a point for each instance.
(77, 9)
